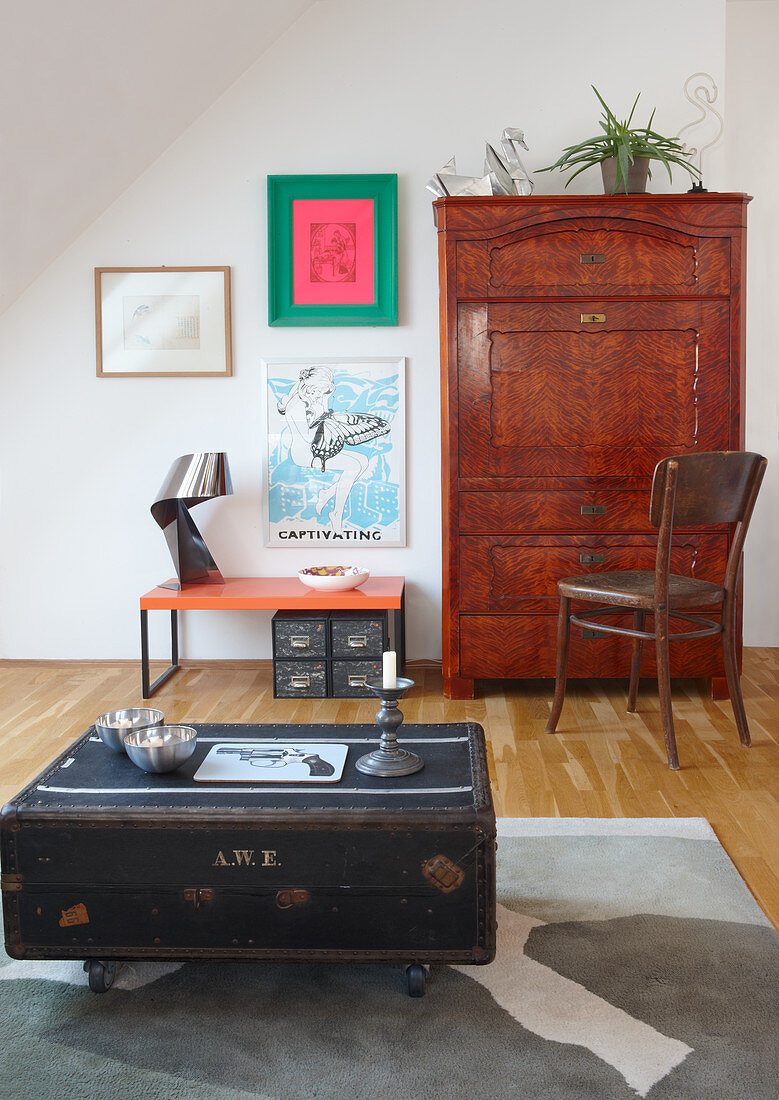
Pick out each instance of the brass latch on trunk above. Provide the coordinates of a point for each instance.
(285, 899)
(198, 896)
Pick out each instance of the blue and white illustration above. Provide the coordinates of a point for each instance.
(336, 449)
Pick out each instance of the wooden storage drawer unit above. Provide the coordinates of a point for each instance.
(521, 573)
(523, 646)
(304, 679)
(583, 340)
(297, 634)
(587, 256)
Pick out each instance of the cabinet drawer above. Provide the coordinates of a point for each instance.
(349, 678)
(508, 574)
(357, 635)
(575, 510)
(594, 256)
(508, 646)
(307, 679)
(299, 635)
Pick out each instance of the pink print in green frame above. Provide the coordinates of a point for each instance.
(332, 250)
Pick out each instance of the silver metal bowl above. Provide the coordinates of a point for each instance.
(162, 749)
(114, 726)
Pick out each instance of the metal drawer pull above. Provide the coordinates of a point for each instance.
(591, 559)
(300, 641)
(593, 318)
(358, 681)
(300, 681)
(593, 509)
(592, 258)
(358, 641)
(588, 633)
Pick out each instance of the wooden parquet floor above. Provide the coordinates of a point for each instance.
(602, 762)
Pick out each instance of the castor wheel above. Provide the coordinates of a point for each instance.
(416, 976)
(101, 974)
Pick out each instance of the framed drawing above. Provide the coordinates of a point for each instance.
(332, 250)
(336, 446)
(154, 322)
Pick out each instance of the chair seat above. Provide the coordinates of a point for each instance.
(631, 588)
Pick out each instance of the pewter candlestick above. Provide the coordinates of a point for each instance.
(389, 759)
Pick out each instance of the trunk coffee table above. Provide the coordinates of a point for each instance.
(104, 862)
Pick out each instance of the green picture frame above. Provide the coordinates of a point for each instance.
(333, 250)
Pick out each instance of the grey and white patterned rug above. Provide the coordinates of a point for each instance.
(632, 961)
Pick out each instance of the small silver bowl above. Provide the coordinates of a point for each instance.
(161, 749)
(114, 726)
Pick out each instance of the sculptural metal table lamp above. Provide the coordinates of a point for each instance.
(191, 480)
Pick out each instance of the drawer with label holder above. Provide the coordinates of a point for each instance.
(354, 635)
(299, 634)
(307, 679)
(349, 679)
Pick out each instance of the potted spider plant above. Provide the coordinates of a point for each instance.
(623, 152)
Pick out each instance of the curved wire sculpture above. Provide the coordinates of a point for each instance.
(191, 480)
(704, 94)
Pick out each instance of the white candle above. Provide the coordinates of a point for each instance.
(389, 670)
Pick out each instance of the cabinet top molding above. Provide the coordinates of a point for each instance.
(464, 212)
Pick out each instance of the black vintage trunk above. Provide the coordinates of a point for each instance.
(101, 860)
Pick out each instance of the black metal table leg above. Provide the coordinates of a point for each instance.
(399, 630)
(148, 689)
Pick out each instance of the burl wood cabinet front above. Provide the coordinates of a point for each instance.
(582, 340)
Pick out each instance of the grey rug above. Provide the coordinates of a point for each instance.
(631, 961)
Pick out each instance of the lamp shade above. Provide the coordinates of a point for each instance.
(191, 480)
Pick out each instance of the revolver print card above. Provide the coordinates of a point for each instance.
(272, 762)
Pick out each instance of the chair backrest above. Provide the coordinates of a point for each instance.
(696, 490)
(712, 487)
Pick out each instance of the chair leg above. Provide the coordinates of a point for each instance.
(664, 686)
(563, 637)
(639, 618)
(731, 672)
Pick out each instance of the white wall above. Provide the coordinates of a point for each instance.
(355, 86)
(753, 166)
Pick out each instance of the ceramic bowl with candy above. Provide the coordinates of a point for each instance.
(333, 578)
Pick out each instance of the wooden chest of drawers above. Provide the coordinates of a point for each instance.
(583, 338)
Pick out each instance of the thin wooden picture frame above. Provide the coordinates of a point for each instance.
(163, 322)
(333, 250)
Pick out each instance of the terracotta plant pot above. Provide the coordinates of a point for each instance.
(637, 176)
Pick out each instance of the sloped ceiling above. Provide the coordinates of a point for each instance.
(93, 91)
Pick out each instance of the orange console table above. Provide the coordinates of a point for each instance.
(268, 594)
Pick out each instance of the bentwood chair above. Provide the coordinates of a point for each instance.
(693, 490)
